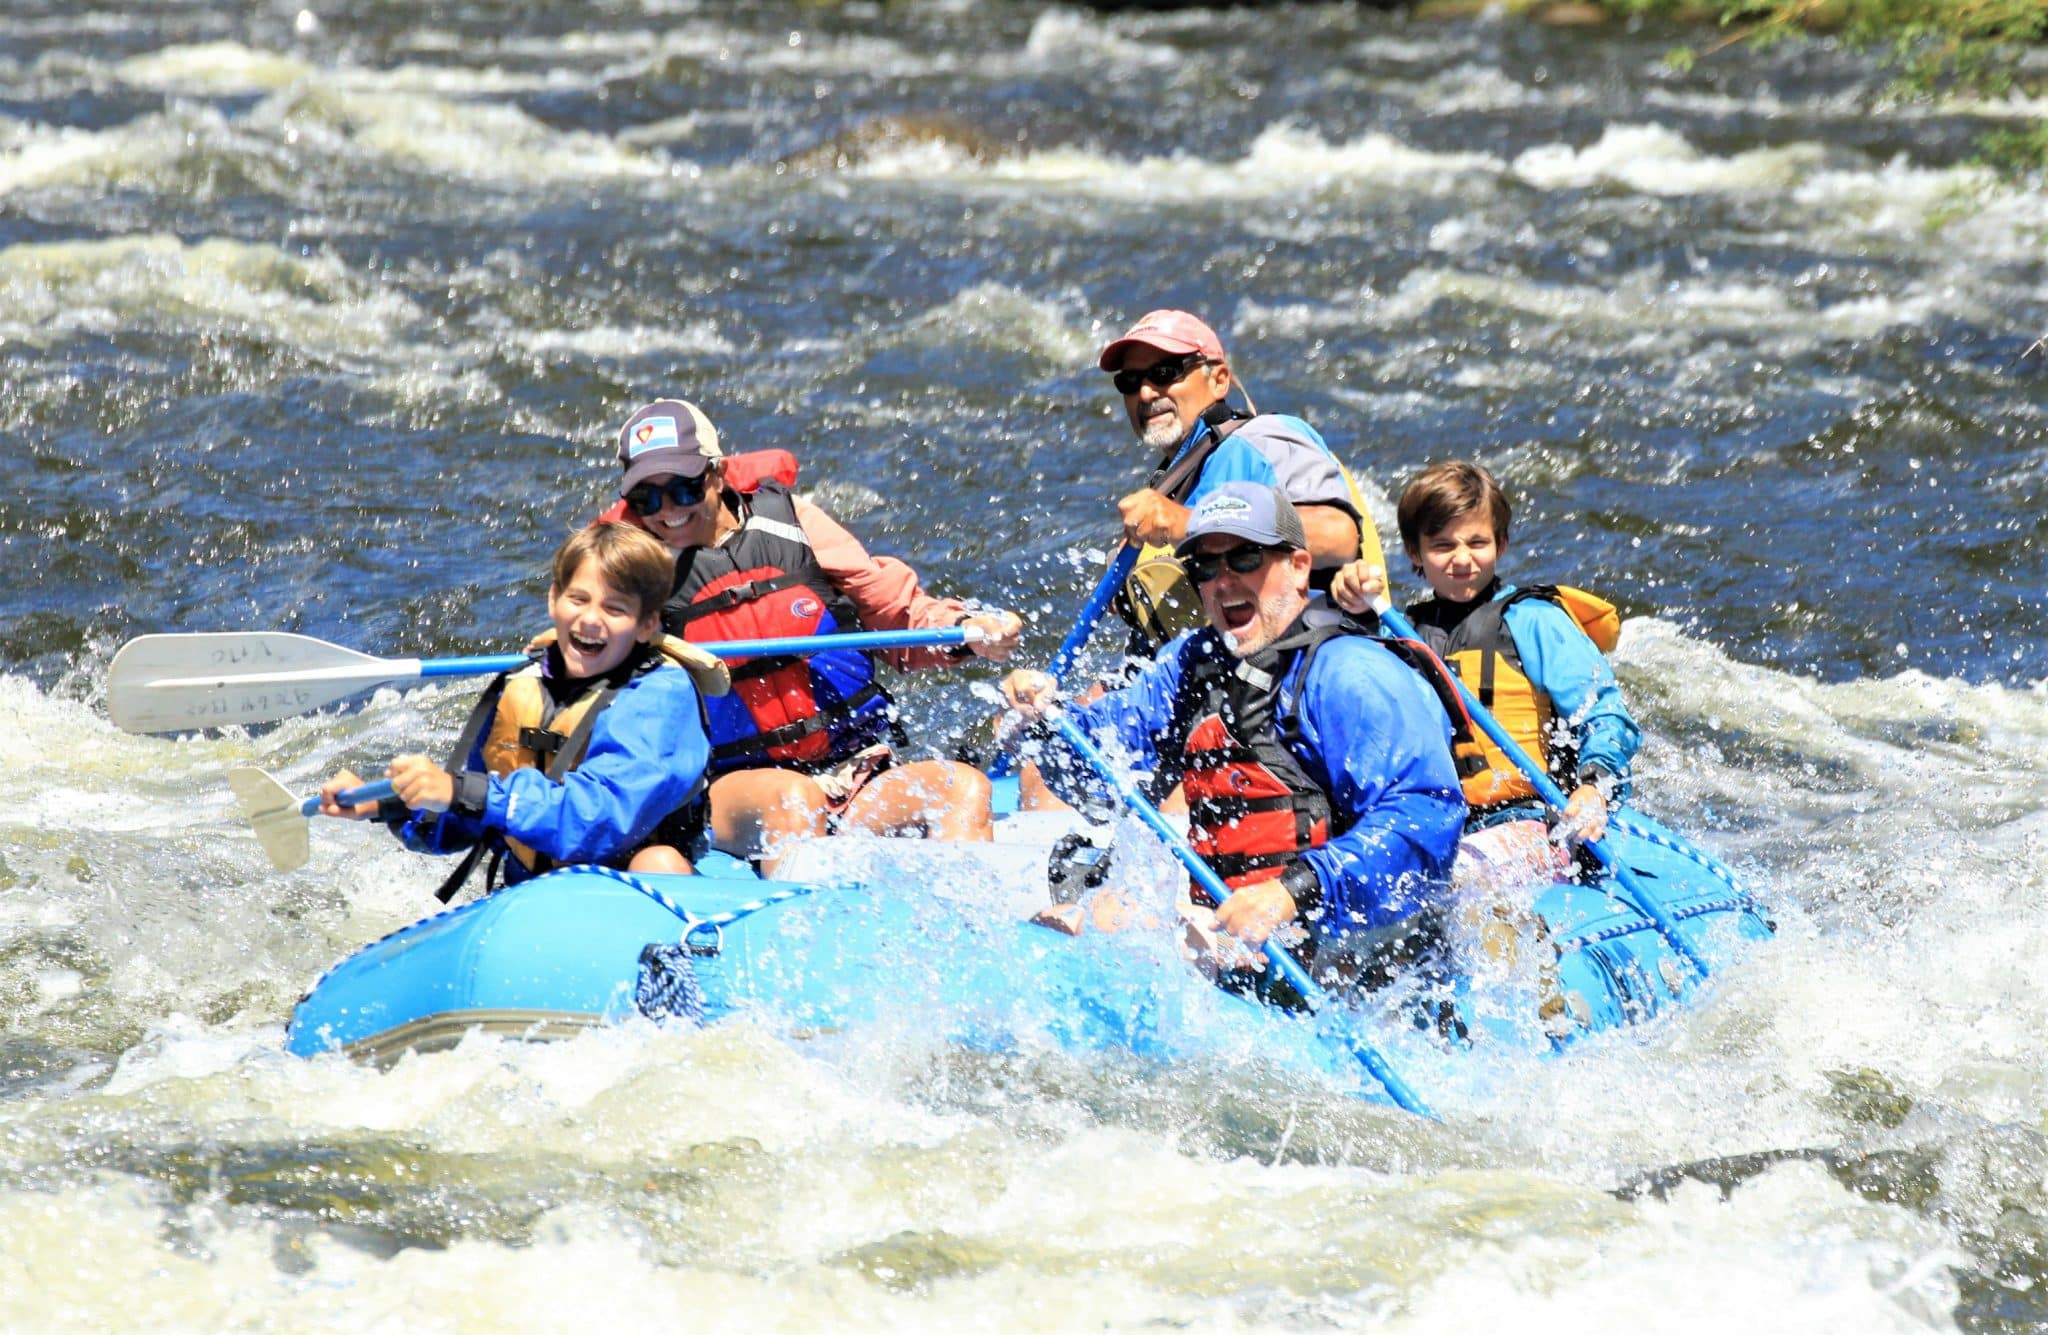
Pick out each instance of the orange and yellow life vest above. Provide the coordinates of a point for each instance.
(528, 729)
(1482, 651)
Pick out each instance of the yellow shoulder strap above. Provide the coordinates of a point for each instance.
(1600, 619)
(707, 670)
(1368, 534)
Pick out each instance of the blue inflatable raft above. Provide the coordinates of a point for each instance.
(570, 950)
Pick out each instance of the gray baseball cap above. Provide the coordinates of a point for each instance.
(1247, 510)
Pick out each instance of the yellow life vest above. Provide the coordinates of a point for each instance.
(528, 732)
(1482, 652)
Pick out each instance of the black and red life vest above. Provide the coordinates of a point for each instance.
(764, 581)
(1252, 805)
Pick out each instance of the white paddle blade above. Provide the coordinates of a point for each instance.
(274, 815)
(181, 683)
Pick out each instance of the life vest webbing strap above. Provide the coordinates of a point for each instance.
(760, 667)
(1224, 809)
(731, 597)
(776, 528)
(1221, 757)
(762, 742)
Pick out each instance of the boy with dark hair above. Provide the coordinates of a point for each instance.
(1527, 655)
(595, 753)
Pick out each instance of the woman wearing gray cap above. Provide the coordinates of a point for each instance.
(803, 745)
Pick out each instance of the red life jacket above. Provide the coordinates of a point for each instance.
(765, 582)
(1252, 806)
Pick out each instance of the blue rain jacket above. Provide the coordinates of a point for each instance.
(647, 752)
(1373, 736)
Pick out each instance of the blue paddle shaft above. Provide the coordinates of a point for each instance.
(370, 792)
(1205, 876)
(1091, 613)
(864, 640)
(477, 666)
(1077, 638)
(1651, 906)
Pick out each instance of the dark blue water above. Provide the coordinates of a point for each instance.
(1804, 434)
(323, 321)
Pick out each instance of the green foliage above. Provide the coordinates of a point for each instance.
(1939, 47)
(2013, 152)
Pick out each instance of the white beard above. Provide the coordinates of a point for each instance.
(1162, 432)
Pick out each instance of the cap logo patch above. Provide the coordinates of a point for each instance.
(1217, 507)
(656, 433)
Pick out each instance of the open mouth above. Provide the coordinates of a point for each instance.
(1236, 614)
(587, 647)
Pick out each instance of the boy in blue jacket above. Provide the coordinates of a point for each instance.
(1528, 660)
(594, 753)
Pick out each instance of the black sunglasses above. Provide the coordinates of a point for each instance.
(1161, 374)
(1242, 559)
(683, 491)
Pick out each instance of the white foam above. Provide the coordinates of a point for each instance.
(1659, 161)
(307, 301)
(1065, 37)
(1283, 159)
(697, 337)
(213, 68)
(467, 140)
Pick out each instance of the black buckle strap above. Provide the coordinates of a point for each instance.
(541, 742)
(731, 597)
(789, 733)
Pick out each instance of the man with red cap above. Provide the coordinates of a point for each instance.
(1175, 380)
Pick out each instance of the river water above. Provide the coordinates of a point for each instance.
(320, 320)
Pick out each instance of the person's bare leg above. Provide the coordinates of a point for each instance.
(1032, 794)
(663, 859)
(937, 799)
(754, 811)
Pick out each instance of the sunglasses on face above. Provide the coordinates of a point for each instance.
(1243, 560)
(1160, 374)
(646, 498)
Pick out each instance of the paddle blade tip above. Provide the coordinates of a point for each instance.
(275, 816)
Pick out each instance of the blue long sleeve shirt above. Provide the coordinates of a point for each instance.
(647, 751)
(1372, 736)
(1569, 668)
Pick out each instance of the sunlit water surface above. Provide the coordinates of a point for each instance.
(320, 321)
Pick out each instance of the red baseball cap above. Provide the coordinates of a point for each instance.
(1168, 331)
